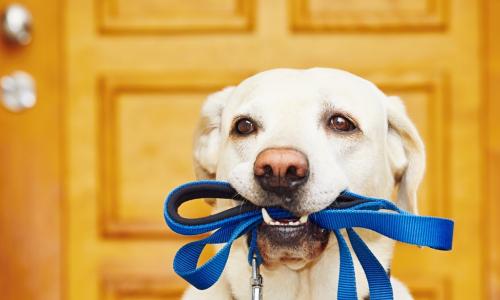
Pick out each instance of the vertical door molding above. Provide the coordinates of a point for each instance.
(491, 146)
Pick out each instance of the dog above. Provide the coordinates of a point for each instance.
(296, 139)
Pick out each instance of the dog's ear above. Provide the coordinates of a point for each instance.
(406, 153)
(207, 135)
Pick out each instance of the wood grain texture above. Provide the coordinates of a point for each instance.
(31, 166)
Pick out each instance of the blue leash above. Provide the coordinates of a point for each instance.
(348, 211)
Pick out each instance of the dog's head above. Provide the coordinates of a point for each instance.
(296, 139)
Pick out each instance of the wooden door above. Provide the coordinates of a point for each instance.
(30, 164)
(138, 70)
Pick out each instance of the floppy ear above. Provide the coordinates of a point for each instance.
(207, 135)
(406, 154)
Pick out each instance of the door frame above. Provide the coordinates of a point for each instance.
(490, 137)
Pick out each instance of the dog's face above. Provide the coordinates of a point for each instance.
(296, 139)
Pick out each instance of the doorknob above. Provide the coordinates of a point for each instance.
(17, 91)
(17, 24)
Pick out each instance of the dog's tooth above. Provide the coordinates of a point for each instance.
(303, 219)
(266, 216)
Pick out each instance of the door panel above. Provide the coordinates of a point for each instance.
(137, 75)
(140, 117)
(168, 16)
(366, 15)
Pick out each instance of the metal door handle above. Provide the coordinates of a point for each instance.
(18, 91)
(17, 24)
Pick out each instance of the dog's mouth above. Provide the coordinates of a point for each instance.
(292, 241)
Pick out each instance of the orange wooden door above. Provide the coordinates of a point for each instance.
(30, 164)
(139, 70)
(134, 74)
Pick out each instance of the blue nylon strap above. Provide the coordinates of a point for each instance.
(399, 225)
(432, 232)
(187, 257)
(252, 248)
(347, 279)
(378, 281)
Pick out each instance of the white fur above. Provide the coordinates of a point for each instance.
(288, 104)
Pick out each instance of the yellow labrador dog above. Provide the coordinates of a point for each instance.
(296, 139)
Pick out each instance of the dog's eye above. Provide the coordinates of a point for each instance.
(340, 123)
(244, 127)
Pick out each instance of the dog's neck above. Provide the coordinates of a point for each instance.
(317, 280)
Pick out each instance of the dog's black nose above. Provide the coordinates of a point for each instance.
(281, 170)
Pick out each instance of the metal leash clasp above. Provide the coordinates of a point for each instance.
(256, 281)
